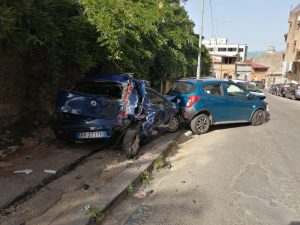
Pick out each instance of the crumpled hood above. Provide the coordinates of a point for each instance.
(87, 105)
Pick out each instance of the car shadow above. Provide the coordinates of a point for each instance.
(294, 223)
(227, 126)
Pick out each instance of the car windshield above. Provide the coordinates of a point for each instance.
(183, 88)
(109, 89)
(242, 84)
(253, 88)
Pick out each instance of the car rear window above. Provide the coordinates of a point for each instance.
(183, 88)
(108, 89)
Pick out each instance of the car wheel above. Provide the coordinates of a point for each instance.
(131, 143)
(258, 117)
(200, 124)
(174, 124)
(293, 97)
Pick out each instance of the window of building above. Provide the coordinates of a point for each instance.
(241, 50)
(294, 47)
(232, 49)
(222, 49)
(211, 49)
(228, 60)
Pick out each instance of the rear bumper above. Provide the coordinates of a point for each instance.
(188, 113)
(69, 130)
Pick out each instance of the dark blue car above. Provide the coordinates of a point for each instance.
(112, 105)
(206, 102)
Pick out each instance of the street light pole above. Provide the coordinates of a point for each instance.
(200, 43)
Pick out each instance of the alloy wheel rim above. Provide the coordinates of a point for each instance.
(259, 117)
(173, 123)
(202, 124)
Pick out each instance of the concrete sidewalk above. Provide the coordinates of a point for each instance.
(39, 159)
(101, 183)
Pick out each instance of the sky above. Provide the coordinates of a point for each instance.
(257, 23)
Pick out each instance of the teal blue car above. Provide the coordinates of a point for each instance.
(210, 101)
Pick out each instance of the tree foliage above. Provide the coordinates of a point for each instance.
(62, 39)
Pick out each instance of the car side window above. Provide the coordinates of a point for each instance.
(234, 90)
(155, 99)
(212, 89)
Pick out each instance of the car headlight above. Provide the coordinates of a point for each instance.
(265, 101)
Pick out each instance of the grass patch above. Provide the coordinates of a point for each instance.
(145, 177)
(159, 162)
(96, 214)
(130, 189)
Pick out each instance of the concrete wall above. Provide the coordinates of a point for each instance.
(272, 60)
(221, 70)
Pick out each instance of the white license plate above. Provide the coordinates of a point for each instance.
(94, 134)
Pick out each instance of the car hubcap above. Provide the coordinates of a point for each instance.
(259, 117)
(136, 145)
(202, 124)
(173, 124)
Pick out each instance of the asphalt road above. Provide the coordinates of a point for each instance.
(233, 175)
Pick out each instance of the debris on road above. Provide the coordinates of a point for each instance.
(50, 171)
(26, 171)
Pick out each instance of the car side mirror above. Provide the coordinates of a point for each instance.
(249, 95)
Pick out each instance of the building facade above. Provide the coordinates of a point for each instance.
(291, 62)
(273, 61)
(225, 56)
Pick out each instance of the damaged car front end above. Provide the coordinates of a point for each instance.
(111, 105)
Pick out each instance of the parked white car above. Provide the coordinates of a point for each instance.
(251, 87)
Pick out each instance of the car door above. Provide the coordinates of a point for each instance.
(215, 101)
(157, 108)
(239, 105)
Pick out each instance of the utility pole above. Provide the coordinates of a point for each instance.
(200, 43)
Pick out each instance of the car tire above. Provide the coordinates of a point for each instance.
(200, 124)
(131, 143)
(258, 117)
(174, 124)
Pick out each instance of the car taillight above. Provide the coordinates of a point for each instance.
(192, 100)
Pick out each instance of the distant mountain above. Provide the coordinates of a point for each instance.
(254, 53)
(257, 53)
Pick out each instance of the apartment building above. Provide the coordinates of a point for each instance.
(225, 56)
(291, 62)
(272, 61)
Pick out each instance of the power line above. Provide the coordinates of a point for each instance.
(212, 20)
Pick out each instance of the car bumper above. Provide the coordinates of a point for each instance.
(188, 113)
(64, 130)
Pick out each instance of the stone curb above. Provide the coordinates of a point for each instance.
(115, 189)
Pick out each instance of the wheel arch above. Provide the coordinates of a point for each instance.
(256, 111)
(206, 112)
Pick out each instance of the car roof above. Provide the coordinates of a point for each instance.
(117, 77)
(203, 80)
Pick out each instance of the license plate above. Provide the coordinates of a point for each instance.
(94, 134)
